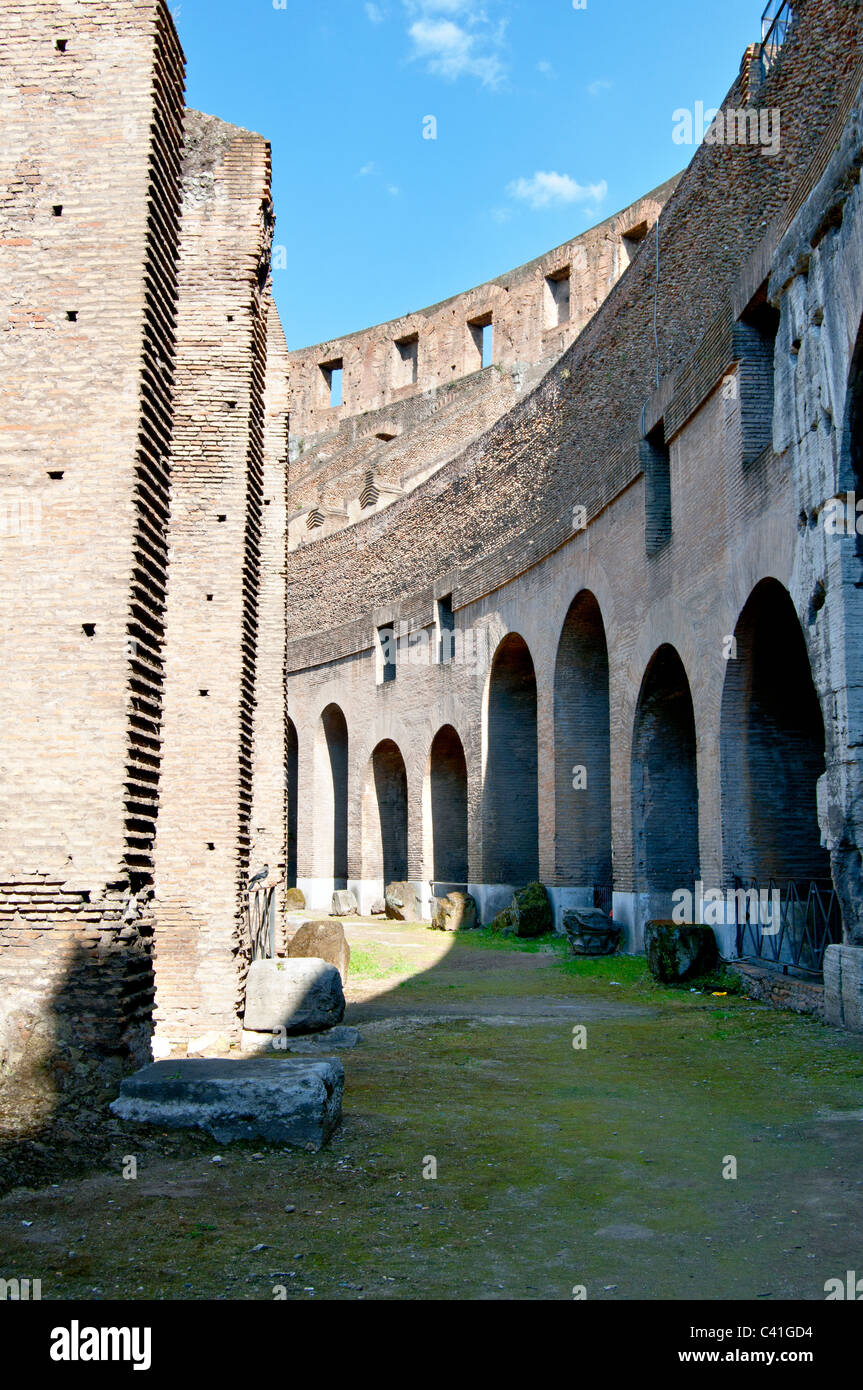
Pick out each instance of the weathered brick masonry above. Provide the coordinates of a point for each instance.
(89, 202)
(217, 470)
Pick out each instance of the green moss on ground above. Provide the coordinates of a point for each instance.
(556, 1164)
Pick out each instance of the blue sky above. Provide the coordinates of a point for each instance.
(549, 118)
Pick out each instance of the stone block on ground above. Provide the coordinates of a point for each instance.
(323, 940)
(455, 912)
(339, 1039)
(533, 911)
(591, 932)
(843, 986)
(679, 952)
(344, 903)
(401, 903)
(301, 995)
(295, 900)
(378, 908)
(283, 1100)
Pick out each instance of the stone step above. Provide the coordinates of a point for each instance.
(290, 1101)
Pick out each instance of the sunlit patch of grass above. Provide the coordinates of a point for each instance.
(374, 962)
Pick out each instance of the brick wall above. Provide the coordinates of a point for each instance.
(92, 107)
(217, 467)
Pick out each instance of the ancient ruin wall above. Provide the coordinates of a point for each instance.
(92, 110)
(508, 499)
(217, 462)
(269, 799)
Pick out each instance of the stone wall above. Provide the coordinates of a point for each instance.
(92, 109)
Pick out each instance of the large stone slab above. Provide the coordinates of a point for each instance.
(299, 995)
(291, 1101)
(324, 940)
(295, 900)
(344, 903)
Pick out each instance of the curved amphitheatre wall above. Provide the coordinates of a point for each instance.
(492, 534)
(415, 391)
(508, 498)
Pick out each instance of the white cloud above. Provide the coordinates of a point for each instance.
(393, 190)
(451, 49)
(375, 14)
(548, 189)
(367, 169)
(600, 85)
(547, 68)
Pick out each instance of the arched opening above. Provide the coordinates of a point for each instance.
(448, 808)
(292, 777)
(582, 751)
(387, 850)
(665, 784)
(510, 802)
(772, 746)
(333, 796)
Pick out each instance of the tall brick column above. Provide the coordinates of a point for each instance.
(92, 105)
(202, 849)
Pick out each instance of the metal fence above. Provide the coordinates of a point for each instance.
(261, 922)
(809, 919)
(776, 20)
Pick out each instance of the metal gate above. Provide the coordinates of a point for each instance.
(261, 922)
(809, 919)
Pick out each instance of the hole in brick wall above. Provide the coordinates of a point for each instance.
(230, 318)
(209, 598)
(72, 315)
(57, 210)
(55, 473)
(89, 629)
(232, 405)
(210, 845)
(203, 693)
(222, 516)
(511, 798)
(385, 435)
(446, 629)
(60, 45)
(85, 895)
(387, 650)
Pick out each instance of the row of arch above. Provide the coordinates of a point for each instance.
(771, 755)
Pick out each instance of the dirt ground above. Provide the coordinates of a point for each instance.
(558, 1164)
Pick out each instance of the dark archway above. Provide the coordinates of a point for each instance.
(772, 746)
(511, 799)
(293, 802)
(448, 787)
(336, 737)
(665, 782)
(582, 749)
(391, 792)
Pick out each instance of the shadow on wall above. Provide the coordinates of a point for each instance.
(62, 1056)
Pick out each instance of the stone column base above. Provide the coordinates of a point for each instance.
(843, 987)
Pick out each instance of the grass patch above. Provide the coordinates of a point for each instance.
(490, 940)
(378, 963)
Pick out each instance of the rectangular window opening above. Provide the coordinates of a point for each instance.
(446, 629)
(481, 344)
(387, 649)
(407, 360)
(332, 373)
(656, 461)
(557, 298)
